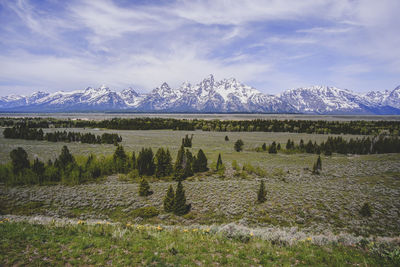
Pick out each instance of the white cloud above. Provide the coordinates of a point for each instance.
(93, 42)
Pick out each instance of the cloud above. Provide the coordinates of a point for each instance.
(269, 44)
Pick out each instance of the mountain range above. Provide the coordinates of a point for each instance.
(211, 96)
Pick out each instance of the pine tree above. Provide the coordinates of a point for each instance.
(200, 162)
(261, 195)
(169, 200)
(219, 162)
(19, 160)
(144, 188)
(179, 164)
(319, 163)
(120, 159)
(163, 163)
(226, 138)
(65, 158)
(272, 148)
(278, 147)
(188, 170)
(133, 160)
(288, 145)
(180, 206)
(145, 162)
(38, 168)
(238, 145)
(264, 147)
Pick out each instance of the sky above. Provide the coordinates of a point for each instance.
(272, 45)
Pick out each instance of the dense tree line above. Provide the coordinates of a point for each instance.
(293, 126)
(67, 169)
(23, 132)
(367, 145)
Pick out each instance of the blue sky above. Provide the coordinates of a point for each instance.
(271, 45)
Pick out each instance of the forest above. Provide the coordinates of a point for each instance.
(24, 132)
(361, 127)
(67, 169)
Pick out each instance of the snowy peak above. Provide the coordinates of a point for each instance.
(210, 95)
(322, 99)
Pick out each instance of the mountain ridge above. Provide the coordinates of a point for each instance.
(209, 96)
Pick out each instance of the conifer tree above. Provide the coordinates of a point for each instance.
(38, 168)
(19, 160)
(226, 138)
(238, 145)
(169, 200)
(278, 147)
(120, 159)
(163, 163)
(65, 158)
(188, 169)
(264, 147)
(180, 206)
(133, 160)
(145, 162)
(272, 148)
(319, 163)
(219, 162)
(144, 188)
(261, 195)
(200, 162)
(288, 145)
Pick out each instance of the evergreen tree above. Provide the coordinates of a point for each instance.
(169, 200)
(120, 159)
(144, 188)
(180, 206)
(219, 162)
(272, 148)
(188, 170)
(200, 162)
(264, 147)
(65, 158)
(238, 145)
(226, 138)
(38, 168)
(180, 164)
(145, 162)
(163, 163)
(319, 163)
(19, 160)
(261, 195)
(278, 147)
(187, 141)
(289, 145)
(133, 160)
(301, 145)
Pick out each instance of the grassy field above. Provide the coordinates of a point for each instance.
(298, 204)
(102, 244)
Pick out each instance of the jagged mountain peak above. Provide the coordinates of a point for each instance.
(210, 95)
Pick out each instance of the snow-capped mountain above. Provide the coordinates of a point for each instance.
(323, 100)
(227, 95)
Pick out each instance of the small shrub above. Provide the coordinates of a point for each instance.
(366, 210)
(144, 188)
(145, 212)
(235, 165)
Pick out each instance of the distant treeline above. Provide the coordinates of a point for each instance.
(259, 125)
(366, 145)
(24, 132)
(67, 169)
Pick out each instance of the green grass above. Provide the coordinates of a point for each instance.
(28, 244)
